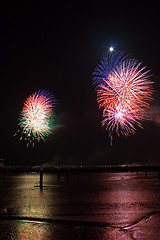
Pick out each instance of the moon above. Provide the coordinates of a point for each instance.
(111, 49)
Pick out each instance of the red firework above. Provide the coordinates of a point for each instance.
(124, 96)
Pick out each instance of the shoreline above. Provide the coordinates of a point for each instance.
(70, 168)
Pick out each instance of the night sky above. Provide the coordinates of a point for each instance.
(57, 47)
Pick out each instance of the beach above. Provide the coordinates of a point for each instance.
(80, 205)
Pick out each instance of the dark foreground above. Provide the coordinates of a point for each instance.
(82, 205)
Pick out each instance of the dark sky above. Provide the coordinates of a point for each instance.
(57, 47)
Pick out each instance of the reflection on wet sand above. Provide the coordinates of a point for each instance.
(28, 230)
(87, 206)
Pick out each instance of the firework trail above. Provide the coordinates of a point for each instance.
(123, 93)
(37, 116)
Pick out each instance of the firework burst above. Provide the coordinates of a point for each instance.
(37, 116)
(108, 63)
(123, 93)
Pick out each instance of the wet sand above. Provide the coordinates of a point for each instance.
(80, 206)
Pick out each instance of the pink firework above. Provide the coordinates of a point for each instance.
(124, 96)
(37, 116)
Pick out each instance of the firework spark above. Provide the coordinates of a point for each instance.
(123, 92)
(37, 116)
(108, 63)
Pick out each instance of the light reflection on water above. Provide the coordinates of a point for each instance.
(27, 230)
(114, 199)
